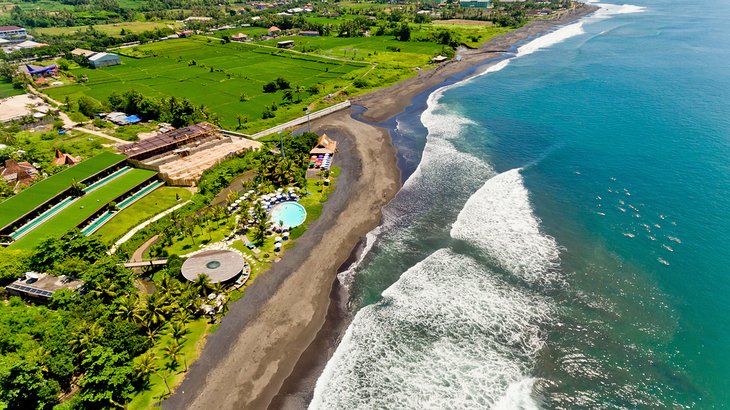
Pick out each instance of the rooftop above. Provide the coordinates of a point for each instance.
(167, 139)
(42, 285)
(218, 265)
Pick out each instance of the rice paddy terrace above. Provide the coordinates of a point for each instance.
(213, 74)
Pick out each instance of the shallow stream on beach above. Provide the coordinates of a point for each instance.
(560, 241)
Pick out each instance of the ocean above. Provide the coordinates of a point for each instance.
(560, 240)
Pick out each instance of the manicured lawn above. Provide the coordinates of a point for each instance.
(192, 346)
(27, 200)
(7, 90)
(158, 201)
(215, 75)
(78, 211)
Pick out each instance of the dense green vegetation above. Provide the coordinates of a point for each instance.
(106, 343)
(46, 189)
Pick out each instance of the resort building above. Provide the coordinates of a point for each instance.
(219, 265)
(285, 44)
(321, 156)
(99, 60)
(181, 156)
(64, 159)
(273, 30)
(239, 38)
(309, 33)
(325, 145)
(10, 32)
(475, 4)
(41, 286)
(18, 173)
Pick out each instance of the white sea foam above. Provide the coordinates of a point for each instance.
(346, 277)
(607, 10)
(518, 396)
(447, 335)
(499, 219)
(551, 39)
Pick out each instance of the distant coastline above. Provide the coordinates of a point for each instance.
(274, 343)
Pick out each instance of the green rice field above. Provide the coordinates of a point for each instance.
(110, 29)
(78, 211)
(42, 191)
(211, 74)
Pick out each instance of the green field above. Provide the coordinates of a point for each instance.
(376, 49)
(158, 201)
(7, 90)
(220, 74)
(84, 207)
(27, 200)
(110, 29)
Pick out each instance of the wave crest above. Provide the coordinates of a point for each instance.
(498, 219)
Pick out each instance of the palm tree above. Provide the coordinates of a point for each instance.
(288, 95)
(145, 366)
(299, 90)
(178, 330)
(172, 351)
(129, 309)
(202, 283)
(189, 228)
(242, 119)
(155, 311)
(83, 337)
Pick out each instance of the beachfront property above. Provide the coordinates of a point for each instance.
(321, 156)
(475, 4)
(12, 32)
(181, 156)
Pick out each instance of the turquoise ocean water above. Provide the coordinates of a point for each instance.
(562, 240)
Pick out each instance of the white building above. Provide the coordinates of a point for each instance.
(12, 32)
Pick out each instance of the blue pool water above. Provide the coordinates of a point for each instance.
(291, 214)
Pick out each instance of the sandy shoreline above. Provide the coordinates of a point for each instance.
(286, 324)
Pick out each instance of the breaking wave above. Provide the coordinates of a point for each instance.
(499, 219)
(449, 334)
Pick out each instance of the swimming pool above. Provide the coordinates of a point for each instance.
(291, 214)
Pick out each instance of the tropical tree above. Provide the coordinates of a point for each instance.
(178, 330)
(172, 351)
(202, 284)
(299, 90)
(144, 366)
(85, 337)
(288, 95)
(155, 311)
